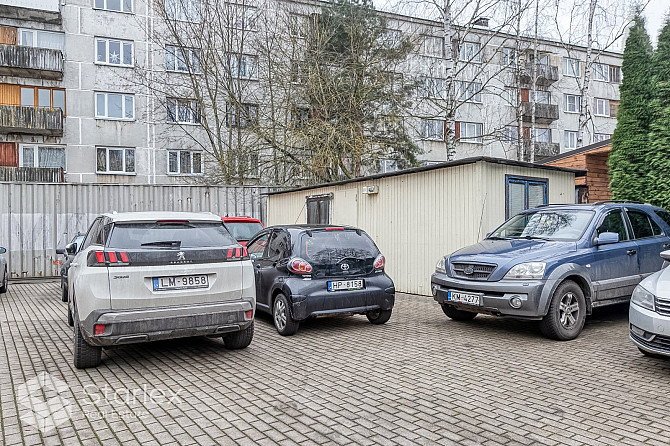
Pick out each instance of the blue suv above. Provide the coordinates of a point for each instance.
(555, 264)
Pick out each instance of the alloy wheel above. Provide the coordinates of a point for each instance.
(280, 314)
(568, 310)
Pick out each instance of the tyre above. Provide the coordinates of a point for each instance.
(651, 355)
(458, 315)
(5, 280)
(281, 316)
(63, 293)
(70, 319)
(240, 339)
(567, 313)
(379, 317)
(85, 355)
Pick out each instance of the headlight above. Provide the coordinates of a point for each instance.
(440, 267)
(642, 298)
(530, 270)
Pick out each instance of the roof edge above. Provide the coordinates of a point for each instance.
(594, 146)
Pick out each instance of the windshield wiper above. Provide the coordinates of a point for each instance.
(175, 243)
(495, 237)
(534, 237)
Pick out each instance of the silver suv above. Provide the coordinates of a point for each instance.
(145, 276)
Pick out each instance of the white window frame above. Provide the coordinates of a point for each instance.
(122, 47)
(566, 103)
(435, 88)
(124, 171)
(298, 25)
(601, 72)
(467, 91)
(193, 55)
(34, 33)
(601, 107)
(190, 173)
(435, 134)
(122, 10)
(540, 97)
(474, 49)
(236, 61)
(572, 67)
(477, 128)
(244, 16)
(569, 139)
(541, 131)
(123, 106)
(598, 137)
(190, 14)
(509, 57)
(234, 119)
(192, 110)
(425, 46)
(511, 134)
(36, 148)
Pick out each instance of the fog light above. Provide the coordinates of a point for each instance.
(638, 331)
(248, 314)
(434, 290)
(98, 329)
(515, 302)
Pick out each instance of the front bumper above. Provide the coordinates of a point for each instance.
(495, 296)
(649, 330)
(143, 325)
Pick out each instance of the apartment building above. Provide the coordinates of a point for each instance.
(91, 91)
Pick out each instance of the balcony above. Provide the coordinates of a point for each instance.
(26, 61)
(546, 74)
(541, 149)
(32, 174)
(544, 113)
(43, 11)
(31, 121)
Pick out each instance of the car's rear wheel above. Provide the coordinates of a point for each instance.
(281, 316)
(567, 313)
(239, 339)
(458, 315)
(379, 316)
(652, 355)
(70, 319)
(5, 279)
(63, 293)
(85, 355)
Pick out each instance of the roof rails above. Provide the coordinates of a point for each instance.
(618, 201)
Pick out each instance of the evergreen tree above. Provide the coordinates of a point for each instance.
(631, 152)
(659, 137)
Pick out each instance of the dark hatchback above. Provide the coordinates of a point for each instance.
(307, 271)
(67, 260)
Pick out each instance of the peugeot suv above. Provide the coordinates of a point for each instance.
(145, 276)
(554, 264)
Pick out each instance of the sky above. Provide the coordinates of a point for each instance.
(655, 12)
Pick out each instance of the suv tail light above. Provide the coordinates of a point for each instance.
(108, 258)
(380, 263)
(299, 266)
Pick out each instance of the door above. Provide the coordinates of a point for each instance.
(273, 262)
(614, 270)
(649, 239)
(256, 249)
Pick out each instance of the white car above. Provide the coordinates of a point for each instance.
(649, 313)
(145, 276)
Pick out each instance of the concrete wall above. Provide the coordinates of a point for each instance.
(35, 219)
(419, 217)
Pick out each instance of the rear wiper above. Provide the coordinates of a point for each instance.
(175, 243)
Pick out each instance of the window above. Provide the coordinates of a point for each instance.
(570, 140)
(318, 209)
(40, 97)
(601, 107)
(614, 222)
(115, 160)
(257, 247)
(523, 193)
(114, 52)
(511, 134)
(469, 91)
(241, 116)
(432, 46)
(572, 67)
(571, 103)
(386, 166)
(299, 73)
(183, 10)
(300, 117)
(390, 38)
(114, 106)
(642, 224)
(470, 52)
(665, 216)
(42, 156)
(41, 39)
(541, 135)
(509, 57)
(434, 88)
(471, 132)
(115, 5)
(184, 162)
(615, 74)
(245, 18)
(243, 66)
(542, 59)
(298, 25)
(432, 129)
(540, 97)
(183, 111)
(279, 246)
(182, 59)
(246, 165)
(601, 72)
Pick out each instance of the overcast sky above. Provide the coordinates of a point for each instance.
(656, 12)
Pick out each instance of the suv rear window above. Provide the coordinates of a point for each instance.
(331, 247)
(169, 235)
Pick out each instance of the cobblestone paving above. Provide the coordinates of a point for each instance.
(419, 379)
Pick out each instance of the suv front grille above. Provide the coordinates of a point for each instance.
(472, 271)
(663, 306)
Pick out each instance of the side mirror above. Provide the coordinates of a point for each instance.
(255, 255)
(3, 250)
(665, 255)
(60, 251)
(71, 248)
(607, 238)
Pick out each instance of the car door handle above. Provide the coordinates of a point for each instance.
(631, 252)
(258, 266)
(666, 245)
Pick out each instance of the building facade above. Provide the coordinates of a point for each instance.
(98, 91)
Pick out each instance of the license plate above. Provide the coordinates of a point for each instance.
(180, 282)
(343, 285)
(463, 298)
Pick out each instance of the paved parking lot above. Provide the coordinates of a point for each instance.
(420, 379)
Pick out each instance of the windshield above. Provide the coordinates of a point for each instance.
(243, 231)
(169, 235)
(546, 225)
